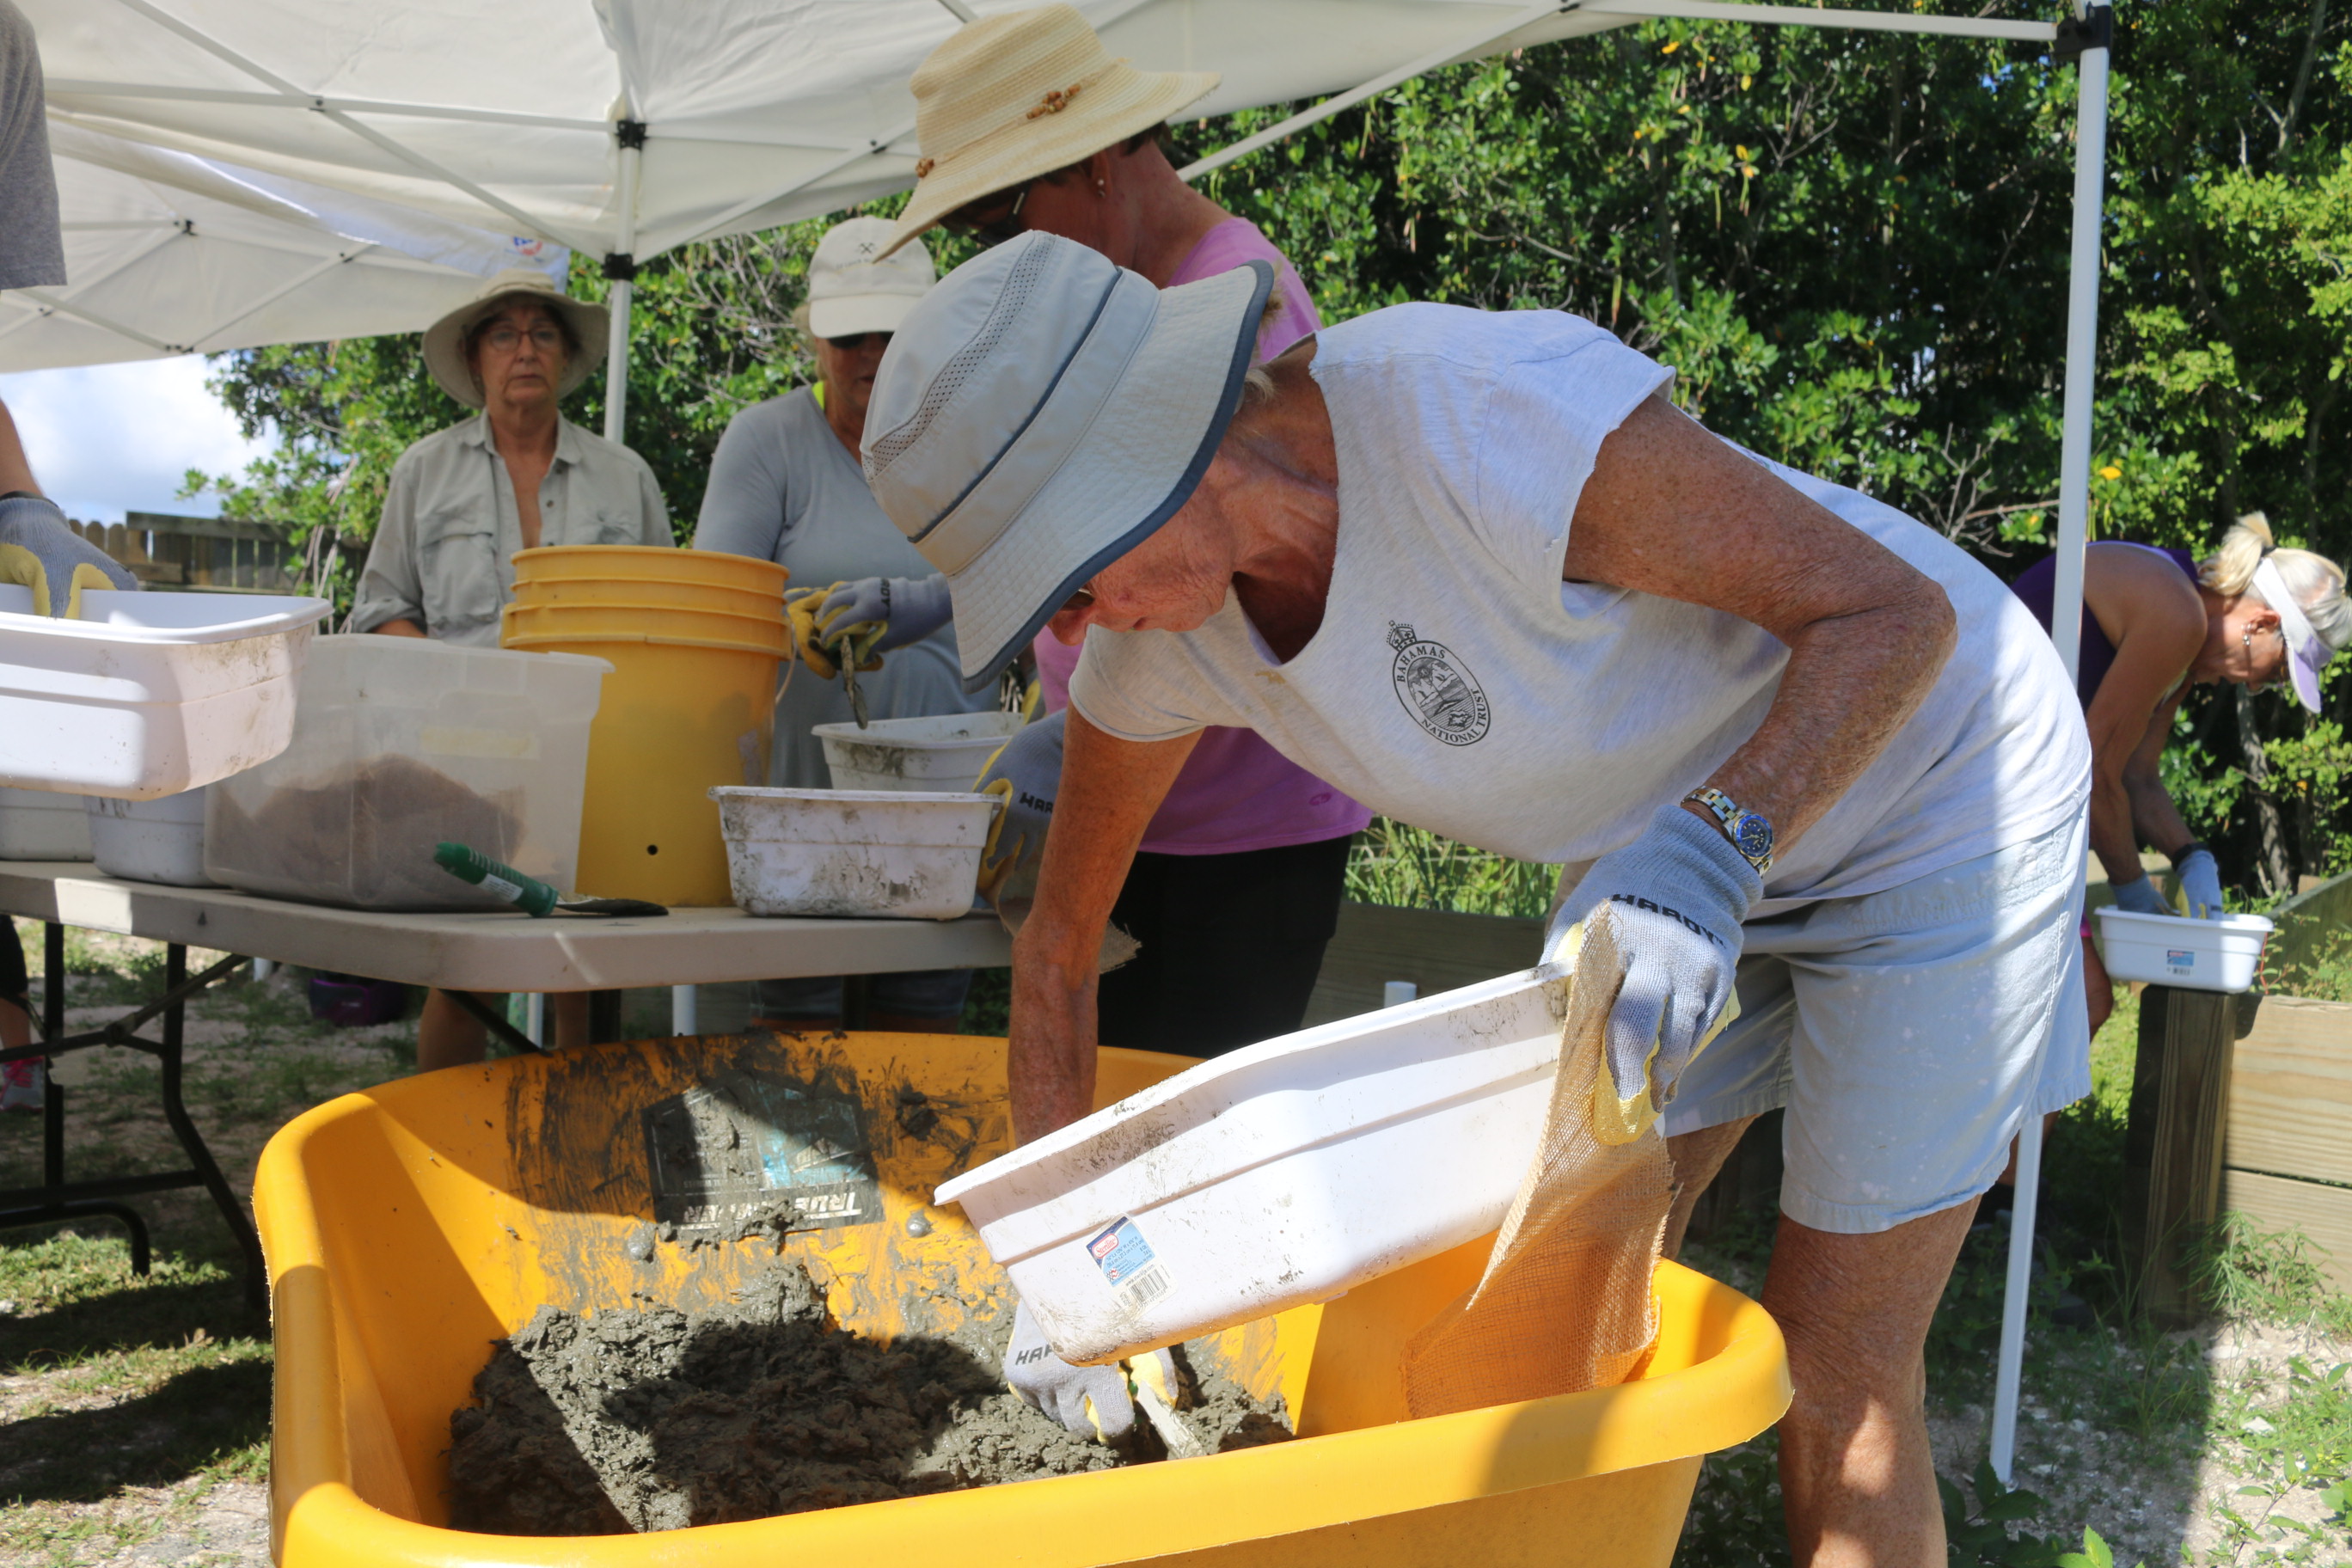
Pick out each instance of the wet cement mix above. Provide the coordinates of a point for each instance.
(655, 1419)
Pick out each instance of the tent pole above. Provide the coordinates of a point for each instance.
(2091, 36)
(621, 268)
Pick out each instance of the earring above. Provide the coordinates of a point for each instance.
(2250, 639)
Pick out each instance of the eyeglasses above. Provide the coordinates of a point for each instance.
(545, 338)
(1083, 599)
(994, 218)
(857, 340)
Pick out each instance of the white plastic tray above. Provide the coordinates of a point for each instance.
(2168, 950)
(1286, 1173)
(150, 840)
(943, 751)
(149, 694)
(852, 852)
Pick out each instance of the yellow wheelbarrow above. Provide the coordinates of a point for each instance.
(409, 1226)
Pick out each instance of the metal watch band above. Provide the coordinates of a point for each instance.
(1726, 813)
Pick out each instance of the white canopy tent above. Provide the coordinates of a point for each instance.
(236, 173)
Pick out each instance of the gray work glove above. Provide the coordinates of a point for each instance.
(908, 609)
(1026, 773)
(2201, 885)
(1675, 897)
(39, 551)
(2140, 897)
(1091, 1401)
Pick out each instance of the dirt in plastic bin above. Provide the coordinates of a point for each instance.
(654, 1419)
(375, 828)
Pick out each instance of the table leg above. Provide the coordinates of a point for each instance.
(176, 1112)
(494, 1022)
(53, 1207)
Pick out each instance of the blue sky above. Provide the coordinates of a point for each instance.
(111, 438)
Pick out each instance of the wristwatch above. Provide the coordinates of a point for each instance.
(1750, 833)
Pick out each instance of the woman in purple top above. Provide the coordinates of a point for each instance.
(2155, 622)
(1236, 889)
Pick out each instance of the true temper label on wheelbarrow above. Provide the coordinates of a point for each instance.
(744, 1153)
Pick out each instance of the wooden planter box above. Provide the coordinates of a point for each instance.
(1435, 950)
(2286, 1159)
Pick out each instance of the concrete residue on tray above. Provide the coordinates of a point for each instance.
(654, 1419)
(364, 836)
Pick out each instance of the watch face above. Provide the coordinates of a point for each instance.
(1752, 833)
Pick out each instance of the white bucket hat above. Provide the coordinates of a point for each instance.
(444, 339)
(1040, 414)
(1011, 97)
(858, 285)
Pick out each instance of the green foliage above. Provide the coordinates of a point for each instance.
(1395, 863)
(2259, 1275)
(2323, 971)
(1983, 1537)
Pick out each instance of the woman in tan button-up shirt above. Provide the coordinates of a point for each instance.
(465, 500)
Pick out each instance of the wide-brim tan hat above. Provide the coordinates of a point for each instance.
(1012, 97)
(444, 339)
(1042, 413)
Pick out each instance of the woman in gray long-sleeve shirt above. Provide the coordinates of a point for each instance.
(785, 486)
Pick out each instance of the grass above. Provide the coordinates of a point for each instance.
(128, 1404)
(1391, 863)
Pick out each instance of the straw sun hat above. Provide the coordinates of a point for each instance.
(1014, 96)
(444, 339)
(1040, 414)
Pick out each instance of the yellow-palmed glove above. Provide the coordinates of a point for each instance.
(1675, 898)
(37, 551)
(818, 642)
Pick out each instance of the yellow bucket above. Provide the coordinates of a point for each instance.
(679, 714)
(409, 1226)
(649, 562)
(573, 591)
(525, 621)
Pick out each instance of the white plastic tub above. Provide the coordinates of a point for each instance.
(2168, 950)
(41, 825)
(400, 744)
(1286, 1172)
(149, 694)
(942, 752)
(150, 840)
(852, 852)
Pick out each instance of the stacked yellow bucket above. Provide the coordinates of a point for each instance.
(694, 638)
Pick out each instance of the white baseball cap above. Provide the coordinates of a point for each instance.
(1040, 414)
(855, 288)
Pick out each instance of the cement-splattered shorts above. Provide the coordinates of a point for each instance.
(1906, 1032)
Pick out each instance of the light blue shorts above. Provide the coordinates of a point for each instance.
(1906, 1032)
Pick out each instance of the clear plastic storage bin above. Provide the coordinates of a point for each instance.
(400, 744)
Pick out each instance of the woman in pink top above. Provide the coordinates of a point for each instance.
(1238, 887)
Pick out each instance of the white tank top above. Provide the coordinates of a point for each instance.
(1458, 684)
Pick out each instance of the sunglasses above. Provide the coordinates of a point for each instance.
(993, 219)
(857, 341)
(1077, 601)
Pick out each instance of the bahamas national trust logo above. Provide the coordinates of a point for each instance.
(1437, 689)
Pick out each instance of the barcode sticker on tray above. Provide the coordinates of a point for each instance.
(1127, 1262)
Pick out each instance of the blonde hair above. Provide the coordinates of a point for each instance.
(2316, 583)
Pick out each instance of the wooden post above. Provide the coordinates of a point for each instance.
(2172, 1150)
